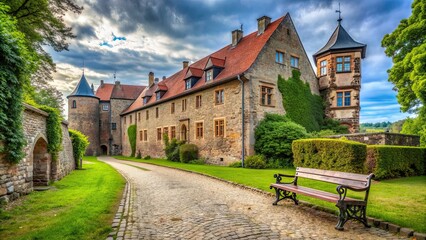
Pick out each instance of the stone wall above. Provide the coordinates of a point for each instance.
(382, 138)
(18, 179)
(117, 107)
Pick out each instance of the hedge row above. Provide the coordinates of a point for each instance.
(395, 161)
(348, 156)
(79, 144)
(330, 154)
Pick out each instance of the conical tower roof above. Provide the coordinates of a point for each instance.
(341, 40)
(83, 89)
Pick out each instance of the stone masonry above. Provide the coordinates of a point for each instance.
(36, 167)
(383, 138)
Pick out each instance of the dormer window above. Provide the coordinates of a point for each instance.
(209, 75)
(145, 100)
(158, 96)
(187, 84)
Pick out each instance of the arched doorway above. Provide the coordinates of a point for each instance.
(104, 150)
(41, 163)
(183, 133)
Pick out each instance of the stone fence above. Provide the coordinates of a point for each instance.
(36, 168)
(382, 138)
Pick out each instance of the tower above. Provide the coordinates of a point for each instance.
(83, 114)
(339, 73)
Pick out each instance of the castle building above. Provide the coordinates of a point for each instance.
(217, 101)
(97, 114)
(339, 73)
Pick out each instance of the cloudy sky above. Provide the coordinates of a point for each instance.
(132, 38)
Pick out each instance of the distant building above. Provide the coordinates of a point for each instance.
(217, 101)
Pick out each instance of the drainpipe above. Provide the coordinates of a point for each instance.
(242, 121)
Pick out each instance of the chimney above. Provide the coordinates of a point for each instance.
(185, 64)
(102, 83)
(236, 36)
(150, 79)
(93, 88)
(117, 83)
(262, 24)
(164, 78)
(156, 80)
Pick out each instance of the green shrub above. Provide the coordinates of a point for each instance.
(131, 132)
(53, 130)
(139, 155)
(387, 161)
(188, 152)
(274, 137)
(330, 154)
(147, 157)
(79, 144)
(236, 164)
(172, 148)
(199, 161)
(255, 162)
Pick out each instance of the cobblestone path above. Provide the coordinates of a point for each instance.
(172, 204)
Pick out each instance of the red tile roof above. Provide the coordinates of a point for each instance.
(236, 60)
(107, 91)
(194, 72)
(161, 86)
(213, 61)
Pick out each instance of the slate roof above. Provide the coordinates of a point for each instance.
(108, 91)
(341, 40)
(234, 60)
(82, 89)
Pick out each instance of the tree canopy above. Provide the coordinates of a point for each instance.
(407, 47)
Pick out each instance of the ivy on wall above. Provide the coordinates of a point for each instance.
(16, 65)
(301, 106)
(53, 130)
(79, 144)
(131, 132)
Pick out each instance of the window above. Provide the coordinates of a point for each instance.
(145, 135)
(139, 116)
(343, 64)
(147, 115)
(156, 112)
(74, 104)
(219, 128)
(166, 131)
(172, 108)
(199, 130)
(172, 132)
(294, 62)
(343, 99)
(114, 126)
(188, 84)
(266, 96)
(198, 101)
(130, 119)
(183, 132)
(323, 68)
(209, 75)
(158, 134)
(158, 96)
(219, 96)
(140, 135)
(279, 57)
(183, 105)
(105, 107)
(145, 100)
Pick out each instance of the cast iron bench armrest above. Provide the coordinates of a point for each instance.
(343, 189)
(279, 175)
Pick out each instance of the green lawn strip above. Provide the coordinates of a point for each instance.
(80, 206)
(400, 201)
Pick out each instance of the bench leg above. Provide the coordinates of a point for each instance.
(343, 218)
(282, 194)
(351, 212)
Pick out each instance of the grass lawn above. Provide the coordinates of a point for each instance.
(80, 206)
(401, 201)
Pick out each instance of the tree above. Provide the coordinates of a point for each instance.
(416, 126)
(407, 47)
(16, 65)
(42, 23)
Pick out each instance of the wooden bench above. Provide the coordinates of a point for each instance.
(349, 208)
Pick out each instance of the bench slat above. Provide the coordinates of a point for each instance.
(330, 197)
(331, 179)
(345, 175)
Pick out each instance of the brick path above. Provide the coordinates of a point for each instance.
(172, 204)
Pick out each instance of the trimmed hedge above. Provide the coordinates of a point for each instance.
(79, 144)
(330, 154)
(188, 152)
(395, 161)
